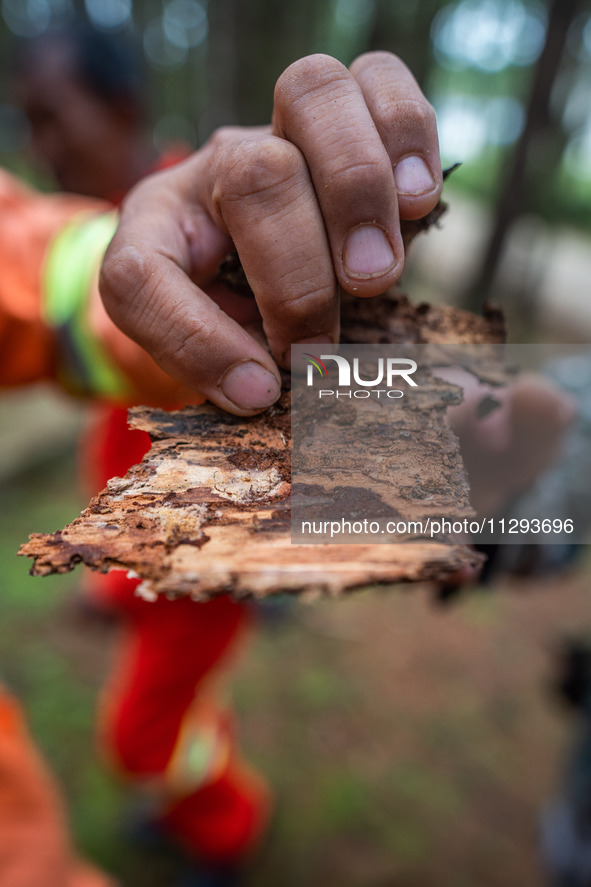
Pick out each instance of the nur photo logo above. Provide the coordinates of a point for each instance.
(387, 372)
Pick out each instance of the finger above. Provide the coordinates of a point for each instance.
(148, 293)
(407, 127)
(260, 192)
(320, 108)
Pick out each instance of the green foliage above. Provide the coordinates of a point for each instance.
(227, 73)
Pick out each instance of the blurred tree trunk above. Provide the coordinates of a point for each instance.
(221, 67)
(260, 26)
(516, 190)
(269, 37)
(405, 29)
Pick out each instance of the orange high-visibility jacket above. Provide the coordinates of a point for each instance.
(52, 322)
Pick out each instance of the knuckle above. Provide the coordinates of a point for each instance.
(373, 56)
(122, 275)
(418, 115)
(308, 75)
(158, 322)
(223, 136)
(199, 337)
(174, 336)
(380, 60)
(125, 274)
(251, 168)
(360, 170)
(313, 301)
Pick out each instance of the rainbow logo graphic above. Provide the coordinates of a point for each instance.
(314, 361)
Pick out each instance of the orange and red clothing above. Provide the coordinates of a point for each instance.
(34, 844)
(110, 447)
(162, 723)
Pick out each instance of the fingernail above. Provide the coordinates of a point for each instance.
(368, 252)
(413, 176)
(250, 386)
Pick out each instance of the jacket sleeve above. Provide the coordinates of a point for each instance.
(28, 224)
(52, 323)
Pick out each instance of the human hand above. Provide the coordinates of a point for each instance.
(311, 203)
(505, 451)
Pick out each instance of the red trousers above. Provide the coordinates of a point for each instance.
(163, 723)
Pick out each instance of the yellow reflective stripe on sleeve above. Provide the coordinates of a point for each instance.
(71, 264)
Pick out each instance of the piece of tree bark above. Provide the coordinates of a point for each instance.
(208, 510)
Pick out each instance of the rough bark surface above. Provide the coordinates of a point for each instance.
(207, 512)
(208, 509)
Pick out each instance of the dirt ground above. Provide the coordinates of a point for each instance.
(408, 743)
(427, 739)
